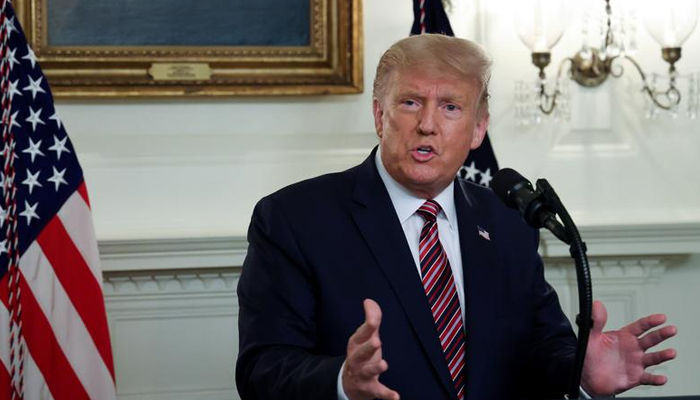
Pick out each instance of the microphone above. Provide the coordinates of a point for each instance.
(517, 193)
(539, 209)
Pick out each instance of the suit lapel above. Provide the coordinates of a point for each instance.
(480, 278)
(381, 229)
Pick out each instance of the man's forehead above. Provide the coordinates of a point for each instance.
(421, 79)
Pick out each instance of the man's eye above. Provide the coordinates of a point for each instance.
(451, 107)
(409, 103)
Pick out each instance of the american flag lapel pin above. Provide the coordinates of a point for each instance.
(483, 233)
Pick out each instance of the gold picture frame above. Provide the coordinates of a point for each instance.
(330, 64)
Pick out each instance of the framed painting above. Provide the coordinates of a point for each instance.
(164, 48)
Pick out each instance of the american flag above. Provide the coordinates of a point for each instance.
(54, 340)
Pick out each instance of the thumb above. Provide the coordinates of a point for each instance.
(373, 313)
(373, 317)
(600, 317)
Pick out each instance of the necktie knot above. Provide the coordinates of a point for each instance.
(429, 210)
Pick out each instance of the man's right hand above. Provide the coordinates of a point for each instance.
(364, 362)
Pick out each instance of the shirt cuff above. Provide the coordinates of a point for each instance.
(339, 386)
(582, 393)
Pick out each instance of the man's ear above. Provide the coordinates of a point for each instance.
(378, 114)
(480, 130)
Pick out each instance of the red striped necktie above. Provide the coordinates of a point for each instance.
(441, 292)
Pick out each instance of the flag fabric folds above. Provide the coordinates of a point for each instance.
(430, 17)
(54, 339)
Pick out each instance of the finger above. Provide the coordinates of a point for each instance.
(374, 369)
(373, 317)
(383, 392)
(365, 351)
(653, 379)
(658, 357)
(651, 339)
(599, 315)
(642, 325)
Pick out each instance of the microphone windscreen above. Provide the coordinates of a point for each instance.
(503, 181)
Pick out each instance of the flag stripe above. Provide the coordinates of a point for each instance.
(69, 330)
(41, 342)
(78, 281)
(77, 220)
(82, 189)
(5, 393)
(34, 385)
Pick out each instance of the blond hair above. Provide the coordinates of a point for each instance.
(464, 58)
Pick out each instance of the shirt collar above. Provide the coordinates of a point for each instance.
(406, 203)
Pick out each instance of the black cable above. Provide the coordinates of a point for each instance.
(577, 250)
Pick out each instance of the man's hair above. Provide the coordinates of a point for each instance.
(464, 58)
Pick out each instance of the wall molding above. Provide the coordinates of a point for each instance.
(172, 253)
(174, 333)
(621, 282)
(229, 251)
(648, 239)
(209, 280)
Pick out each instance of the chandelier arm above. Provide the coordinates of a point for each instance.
(670, 93)
(611, 67)
(548, 102)
(561, 66)
(546, 97)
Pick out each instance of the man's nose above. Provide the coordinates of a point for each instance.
(426, 122)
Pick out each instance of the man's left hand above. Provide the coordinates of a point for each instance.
(617, 360)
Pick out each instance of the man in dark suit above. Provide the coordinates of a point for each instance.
(394, 279)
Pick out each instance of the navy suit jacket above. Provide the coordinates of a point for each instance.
(318, 248)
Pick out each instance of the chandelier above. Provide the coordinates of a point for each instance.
(541, 23)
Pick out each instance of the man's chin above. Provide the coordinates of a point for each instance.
(427, 186)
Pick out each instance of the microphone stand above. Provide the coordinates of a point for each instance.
(577, 249)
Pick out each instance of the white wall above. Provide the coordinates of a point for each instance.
(193, 170)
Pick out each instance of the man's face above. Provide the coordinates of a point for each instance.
(427, 123)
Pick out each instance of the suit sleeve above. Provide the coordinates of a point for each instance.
(278, 357)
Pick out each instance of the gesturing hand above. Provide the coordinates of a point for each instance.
(364, 362)
(616, 360)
